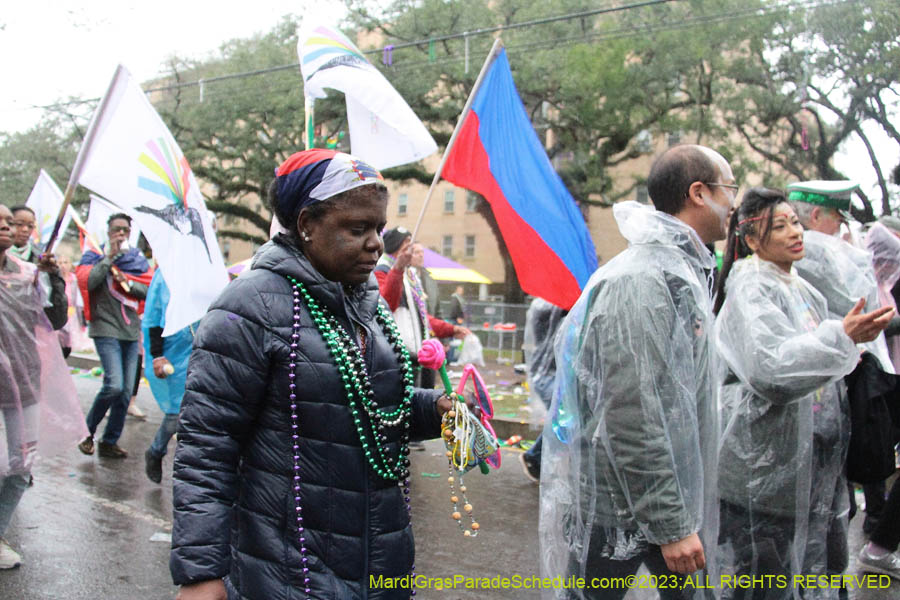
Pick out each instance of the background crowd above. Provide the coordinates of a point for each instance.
(701, 417)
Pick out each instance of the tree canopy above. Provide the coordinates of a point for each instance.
(777, 87)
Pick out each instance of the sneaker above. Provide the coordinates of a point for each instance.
(532, 470)
(136, 412)
(153, 466)
(888, 564)
(87, 445)
(110, 450)
(9, 558)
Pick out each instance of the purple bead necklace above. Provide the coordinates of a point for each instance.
(356, 384)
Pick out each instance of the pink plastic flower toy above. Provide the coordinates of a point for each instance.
(431, 356)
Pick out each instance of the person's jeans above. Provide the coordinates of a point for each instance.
(13, 484)
(11, 489)
(119, 360)
(163, 435)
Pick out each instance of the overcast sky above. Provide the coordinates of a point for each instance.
(55, 49)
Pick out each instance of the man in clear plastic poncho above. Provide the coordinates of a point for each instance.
(631, 436)
(839, 271)
(884, 245)
(542, 321)
(843, 274)
(38, 402)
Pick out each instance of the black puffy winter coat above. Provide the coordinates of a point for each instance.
(234, 514)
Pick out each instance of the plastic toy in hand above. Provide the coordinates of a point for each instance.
(469, 440)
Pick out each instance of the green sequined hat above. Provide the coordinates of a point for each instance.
(831, 194)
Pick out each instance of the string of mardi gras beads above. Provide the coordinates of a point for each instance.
(358, 387)
(456, 431)
(352, 369)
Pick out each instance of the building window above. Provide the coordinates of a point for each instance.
(447, 245)
(471, 201)
(449, 201)
(402, 204)
(470, 246)
(674, 138)
(644, 141)
(641, 194)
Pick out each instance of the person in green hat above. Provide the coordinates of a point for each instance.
(843, 274)
(840, 271)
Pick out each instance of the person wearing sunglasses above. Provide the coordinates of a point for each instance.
(631, 437)
(113, 285)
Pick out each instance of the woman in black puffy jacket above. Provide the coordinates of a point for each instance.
(291, 472)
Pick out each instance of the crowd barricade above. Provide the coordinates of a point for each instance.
(498, 325)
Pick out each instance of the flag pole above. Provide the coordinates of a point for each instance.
(84, 230)
(491, 57)
(75, 175)
(309, 108)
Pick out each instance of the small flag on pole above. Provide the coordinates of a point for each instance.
(384, 131)
(45, 200)
(133, 161)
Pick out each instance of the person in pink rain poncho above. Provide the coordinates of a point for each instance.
(38, 402)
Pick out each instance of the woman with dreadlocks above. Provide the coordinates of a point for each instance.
(784, 414)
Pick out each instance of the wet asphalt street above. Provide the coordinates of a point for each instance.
(97, 529)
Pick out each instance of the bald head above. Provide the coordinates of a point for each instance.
(676, 169)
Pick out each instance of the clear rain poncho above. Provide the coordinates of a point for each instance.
(885, 249)
(785, 421)
(41, 415)
(630, 442)
(541, 324)
(843, 274)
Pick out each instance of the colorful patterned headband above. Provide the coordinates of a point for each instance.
(315, 175)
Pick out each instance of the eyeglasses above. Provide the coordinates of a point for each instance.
(120, 229)
(731, 186)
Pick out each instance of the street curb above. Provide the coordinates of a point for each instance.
(83, 361)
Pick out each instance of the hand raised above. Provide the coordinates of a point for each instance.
(865, 327)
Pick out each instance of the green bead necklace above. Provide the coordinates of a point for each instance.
(358, 387)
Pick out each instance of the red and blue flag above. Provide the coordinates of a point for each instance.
(498, 154)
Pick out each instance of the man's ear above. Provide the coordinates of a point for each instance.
(815, 215)
(695, 194)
